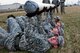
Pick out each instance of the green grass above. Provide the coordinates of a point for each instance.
(72, 30)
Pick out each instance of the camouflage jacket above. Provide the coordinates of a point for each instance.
(46, 1)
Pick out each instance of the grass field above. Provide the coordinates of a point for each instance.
(72, 30)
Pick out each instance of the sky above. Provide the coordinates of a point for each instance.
(4, 2)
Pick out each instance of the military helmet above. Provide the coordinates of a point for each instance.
(57, 17)
(30, 7)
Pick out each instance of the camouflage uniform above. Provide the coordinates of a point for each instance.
(29, 39)
(8, 38)
(13, 26)
(21, 22)
(50, 12)
(26, 33)
(48, 2)
(62, 6)
(14, 30)
(32, 39)
(61, 41)
(61, 32)
(56, 2)
(3, 36)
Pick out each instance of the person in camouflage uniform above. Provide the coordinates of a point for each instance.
(62, 5)
(60, 27)
(48, 2)
(25, 33)
(30, 39)
(56, 2)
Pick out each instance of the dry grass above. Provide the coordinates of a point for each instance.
(72, 30)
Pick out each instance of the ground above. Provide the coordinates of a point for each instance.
(71, 21)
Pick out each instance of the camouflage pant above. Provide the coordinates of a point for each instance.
(62, 7)
(29, 39)
(56, 10)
